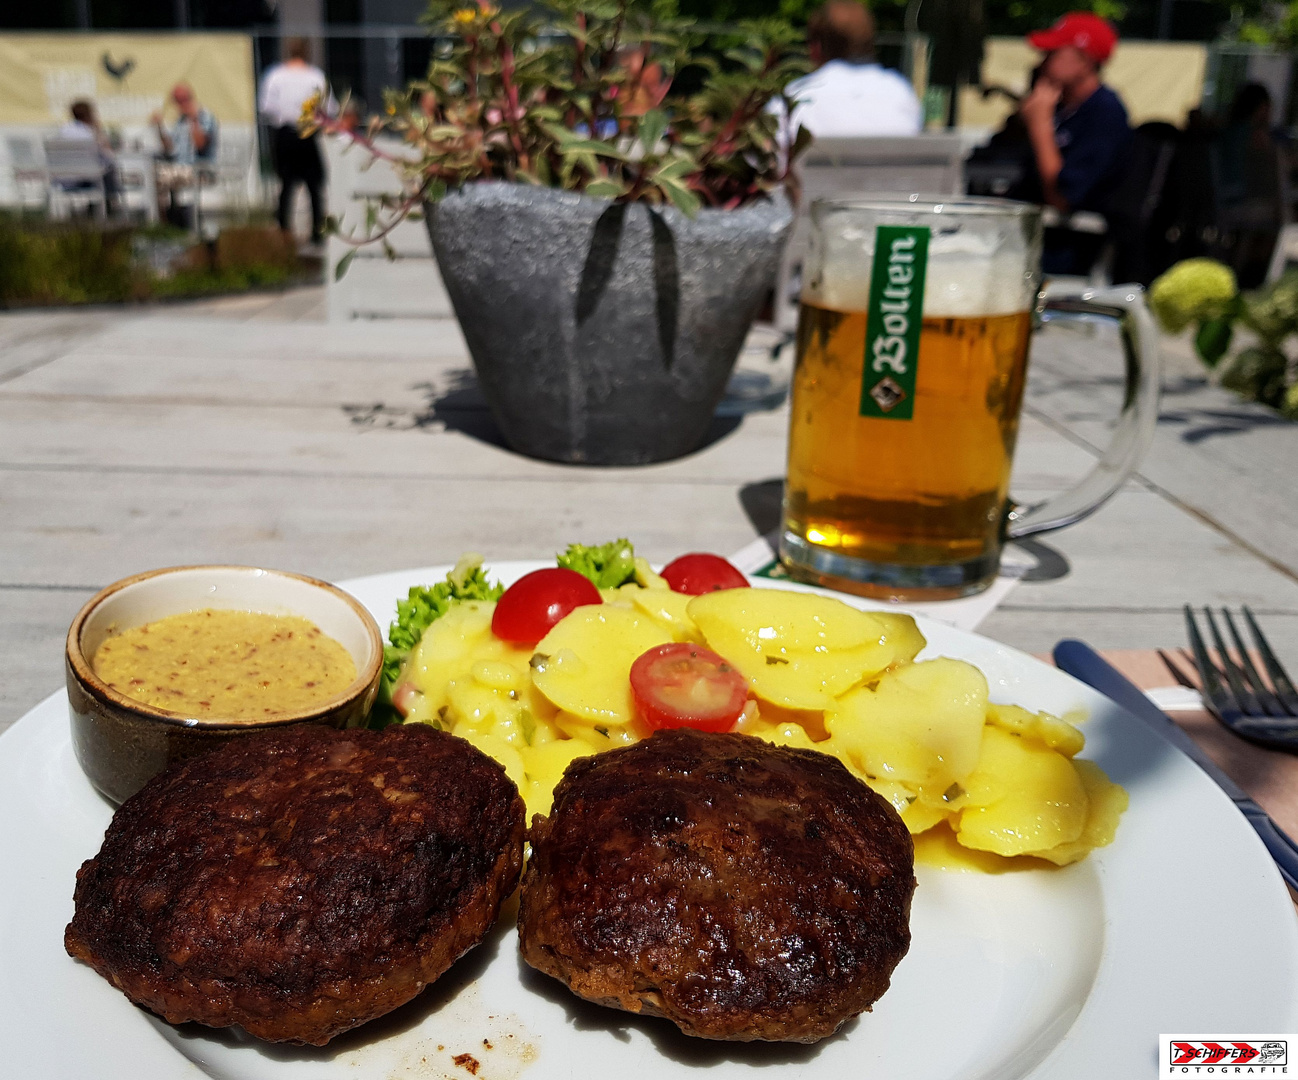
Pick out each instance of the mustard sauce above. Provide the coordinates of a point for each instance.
(231, 665)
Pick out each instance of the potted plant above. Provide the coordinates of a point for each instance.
(1203, 293)
(606, 235)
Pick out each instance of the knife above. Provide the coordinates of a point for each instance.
(1082, 662)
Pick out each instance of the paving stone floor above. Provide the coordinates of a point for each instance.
(251, 430)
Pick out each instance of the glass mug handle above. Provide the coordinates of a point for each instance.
(1125, 305)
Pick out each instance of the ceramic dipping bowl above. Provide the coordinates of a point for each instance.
(121, 743)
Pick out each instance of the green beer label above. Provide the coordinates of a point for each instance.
(893, 321)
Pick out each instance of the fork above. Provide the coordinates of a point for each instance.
(1267, 715)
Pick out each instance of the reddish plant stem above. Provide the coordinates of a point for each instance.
(471, 69)
(608, 57)
(578, 55)
(512, 110)
(723, 144)
(403, 208)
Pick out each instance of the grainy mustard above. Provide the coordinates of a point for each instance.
(231, 665)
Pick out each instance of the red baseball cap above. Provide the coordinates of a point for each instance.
(1081, 29)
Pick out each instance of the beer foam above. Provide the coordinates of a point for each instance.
(969, 272)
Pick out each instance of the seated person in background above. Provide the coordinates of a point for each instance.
(850, 95)
(1078, 130)
(188, 146)
(84, 127)
(1250, 200)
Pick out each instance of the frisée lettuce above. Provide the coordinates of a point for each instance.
(606, 565)
(424, 605)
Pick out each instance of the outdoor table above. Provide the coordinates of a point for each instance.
(249, 430)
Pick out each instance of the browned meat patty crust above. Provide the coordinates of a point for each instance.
(740, 889)
(302, 882)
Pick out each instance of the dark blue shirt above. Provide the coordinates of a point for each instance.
(1092, 139)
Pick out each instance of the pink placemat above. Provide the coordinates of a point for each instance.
(1269, 776)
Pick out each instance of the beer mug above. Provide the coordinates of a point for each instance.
(912, 356)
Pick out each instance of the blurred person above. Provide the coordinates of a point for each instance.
(84, 126)
(851, 95)
(188, 146)
(1003, 164)
(1247, 164)
(192, 138)
(286, 88)
(1078, 130)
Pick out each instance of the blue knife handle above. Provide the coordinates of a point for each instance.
(1283, 850)
(1082, 662)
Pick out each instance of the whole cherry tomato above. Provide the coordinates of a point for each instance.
(699, 573)
(536, 601)
(685, 685)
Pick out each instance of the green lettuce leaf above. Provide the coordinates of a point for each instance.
(606, 565)
(428, 603)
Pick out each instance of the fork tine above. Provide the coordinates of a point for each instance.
(1279, 677)
(1247, 704)
(1213, 693)
(1174, 669)
(1269, 703)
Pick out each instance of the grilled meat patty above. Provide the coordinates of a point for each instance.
(301, 882)
(740, 889)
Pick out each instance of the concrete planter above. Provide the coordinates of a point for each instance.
(603, 333)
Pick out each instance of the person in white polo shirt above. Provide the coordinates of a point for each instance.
(850, 95)
(285, 89)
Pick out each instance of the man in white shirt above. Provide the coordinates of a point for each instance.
(285, 89)
(850, 95)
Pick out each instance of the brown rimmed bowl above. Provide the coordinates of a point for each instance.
(121, 743)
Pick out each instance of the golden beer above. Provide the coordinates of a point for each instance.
(911, 363)
(926, 492)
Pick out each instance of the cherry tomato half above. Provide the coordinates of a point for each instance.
(699, 573)
(536, 601)
(404, 698)
(684, 685)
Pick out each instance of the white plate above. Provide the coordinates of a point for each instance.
(1182, 924)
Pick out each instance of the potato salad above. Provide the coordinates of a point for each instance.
(600, 651)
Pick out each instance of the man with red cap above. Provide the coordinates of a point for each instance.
(1078, 130)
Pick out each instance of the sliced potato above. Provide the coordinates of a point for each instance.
(583, 665)
(902, 635)
(545, 766)
(647, 577)
(1046, 729)
(784, 734)
(796, 650)
(599, 737)
(1107, 802)
(917, 815)
(449, 647)
(667, 608)
(1023, 799)
(497, 748)
(921, 725)
(518, 717)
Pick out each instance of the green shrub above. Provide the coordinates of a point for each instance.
(64, 264)
(46, 263)
(1203, 291)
